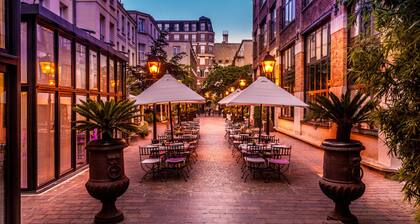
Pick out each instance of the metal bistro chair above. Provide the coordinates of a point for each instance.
(149, 160)
(279, 162)
(254, 161)
(175, 160)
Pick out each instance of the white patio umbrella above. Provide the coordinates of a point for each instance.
(168, 90)
(227, 99)
(264, 92)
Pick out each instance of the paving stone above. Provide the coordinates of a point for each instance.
(215, 193)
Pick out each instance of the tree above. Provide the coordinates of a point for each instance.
(221, 78)
(139, 78)
(387, 66)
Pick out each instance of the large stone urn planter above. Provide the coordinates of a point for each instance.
(107, 179)
(342, 178)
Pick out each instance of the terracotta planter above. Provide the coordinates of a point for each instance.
(107, 179)
(342, 178)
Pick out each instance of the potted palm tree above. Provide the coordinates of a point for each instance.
(107, 179)
(342, 176)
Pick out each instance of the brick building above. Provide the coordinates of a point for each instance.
(309, 40)
(197, 32)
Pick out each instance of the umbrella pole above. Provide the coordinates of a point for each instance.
(170, 121)
(179, 113)
(261, 124)
(267, 131)
(242, 111)
(154, 123)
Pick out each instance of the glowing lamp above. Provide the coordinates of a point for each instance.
(267, 64)
(227, 93)
(232, 89)
(47, 67)
(242, 82)
(153, 64)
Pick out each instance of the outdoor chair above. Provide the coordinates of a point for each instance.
(149, 160)
(175, 159)
(255, 161)
(279, 162)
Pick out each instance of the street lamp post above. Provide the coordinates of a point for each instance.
(267, 66)
(153, 65)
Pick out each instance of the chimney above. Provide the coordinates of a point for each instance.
(225, 37)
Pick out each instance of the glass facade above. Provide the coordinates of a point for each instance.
(63, 79)
(45, 137)
(64, 62)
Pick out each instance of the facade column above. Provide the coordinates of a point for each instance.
(338, 51)
(299, 90)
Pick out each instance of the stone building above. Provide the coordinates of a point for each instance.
(238, 54)
(197, 32)
(309, 40)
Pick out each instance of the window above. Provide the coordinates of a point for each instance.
(23, 52)
(202, 26)
(306, 2)
(80, 66)
(111, 33)
(193, 27)
(140, 27)
(194, 38)
(176, 50)
(202, 37)
(210, 49)
(186, 27)
(103, 71)
(318, 76)
(202, 49)
(167, 27)
(2, 24)
(93, 70)
(64, 11)
(64, 62)
(128, 29)
(118, 76)
(273, 19)
(211, 38)
(102, 27)
(263, 36)
(289, 11)
(122, 24)
(24, 139)
(45, 56)
(176, 37)
(160, 26)
(202, 61)
(288, 76)
(176, 27)
(45, 137)
(186, 37)
(65, 134)
(142, 54)
(2, 142)
(112, 75)
(81, 138)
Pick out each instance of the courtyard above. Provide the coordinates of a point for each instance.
(215, 192)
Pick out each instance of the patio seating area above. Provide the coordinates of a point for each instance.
(215, 192)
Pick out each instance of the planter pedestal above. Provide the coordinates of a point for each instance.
(342, 178)
(107, 179)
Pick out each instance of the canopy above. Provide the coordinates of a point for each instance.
(168, 89)
(227, 99)
(265, 92)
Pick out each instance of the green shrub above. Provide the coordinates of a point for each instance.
(143, 129)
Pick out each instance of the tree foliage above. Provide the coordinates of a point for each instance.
(387, 65)
(221, 78)
(139, 78)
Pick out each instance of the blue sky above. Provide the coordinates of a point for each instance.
(234, 16)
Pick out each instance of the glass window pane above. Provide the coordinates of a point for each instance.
(24, 139)
(318, 44)
(45, 137)
(2, 27)
(64, 62)
(65, 134)
(325, 41)
(80, 66)
(81, 138)
(45, 56)
(119, 75)
(93, 70)
(103, 81)
(111, 76)
(23, 52)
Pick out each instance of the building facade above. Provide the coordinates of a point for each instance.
(61, 65)
(147, 32)
(309, 40)
(197, 32)
(237, 54)
(126, 34)
(9, 111)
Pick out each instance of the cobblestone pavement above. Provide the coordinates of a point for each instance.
(215, 192)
